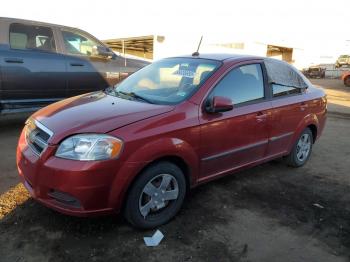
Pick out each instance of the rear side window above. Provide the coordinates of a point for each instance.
(242, 84)
(284, 79)
(31, 37)
(281, 73)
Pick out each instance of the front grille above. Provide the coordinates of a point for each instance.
(43, 135)
(37, 136)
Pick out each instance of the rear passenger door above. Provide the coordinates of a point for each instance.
(288, 111)
(86, 69)
(32, 71)
(286, 86)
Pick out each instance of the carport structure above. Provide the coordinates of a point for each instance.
(154, 47)
(141, 46)
(285, 53)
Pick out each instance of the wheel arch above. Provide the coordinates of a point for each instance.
(167, 149)
(309, 121)
(176, 160)
(313, 129)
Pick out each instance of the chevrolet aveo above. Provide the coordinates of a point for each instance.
(140, 146)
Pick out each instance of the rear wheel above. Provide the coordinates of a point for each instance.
(301, 151)
(156, 196)
(347, 81)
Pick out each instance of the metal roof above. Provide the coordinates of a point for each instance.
(222, 56)
(140, 43)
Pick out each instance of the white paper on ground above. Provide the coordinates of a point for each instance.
(154, 240)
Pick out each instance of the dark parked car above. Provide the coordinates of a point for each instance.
(175, 124)
(315, 72)
(41, 63)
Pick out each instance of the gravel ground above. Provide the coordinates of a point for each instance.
(268, 213)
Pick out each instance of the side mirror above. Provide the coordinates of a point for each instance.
(219, 104)
(103, 51)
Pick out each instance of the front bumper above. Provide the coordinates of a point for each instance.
(78, 188)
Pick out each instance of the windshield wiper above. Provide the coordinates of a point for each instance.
(108, 90)
(134, 95)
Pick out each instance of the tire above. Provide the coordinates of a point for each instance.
(296, 159)
(347, 81)
(151, 181)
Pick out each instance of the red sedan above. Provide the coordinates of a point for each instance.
(177, 123)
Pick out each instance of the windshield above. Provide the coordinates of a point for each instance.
(168, 81)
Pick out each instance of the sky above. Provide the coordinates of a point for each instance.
(321, 27)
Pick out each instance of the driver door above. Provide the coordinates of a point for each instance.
(239, 137)
(86, 70)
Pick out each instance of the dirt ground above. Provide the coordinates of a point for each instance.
(269, 213)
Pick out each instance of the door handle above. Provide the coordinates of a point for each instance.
(260, 117)
(76, 64)
(14, 60)
(303, 106)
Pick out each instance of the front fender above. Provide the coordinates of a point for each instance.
(145, 155)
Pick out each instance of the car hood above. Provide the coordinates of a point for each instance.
(94, 113)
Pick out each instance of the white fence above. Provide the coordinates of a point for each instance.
(334, 73)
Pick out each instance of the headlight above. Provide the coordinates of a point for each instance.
(29, 127)
(90, 147)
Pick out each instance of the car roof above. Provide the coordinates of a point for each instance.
(222, 56)
(17, 20)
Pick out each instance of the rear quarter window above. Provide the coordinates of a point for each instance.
(280, 90)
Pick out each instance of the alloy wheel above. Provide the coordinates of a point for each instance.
(303, 147)
(157, 194)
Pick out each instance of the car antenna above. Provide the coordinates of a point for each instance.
(199, 45)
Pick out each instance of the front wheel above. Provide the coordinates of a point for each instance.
(156, 196)
(301, 150)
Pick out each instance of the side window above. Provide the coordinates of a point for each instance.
(282, 74)
(281, 90)
(31, 37)
(77, 44)
(242, 84)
